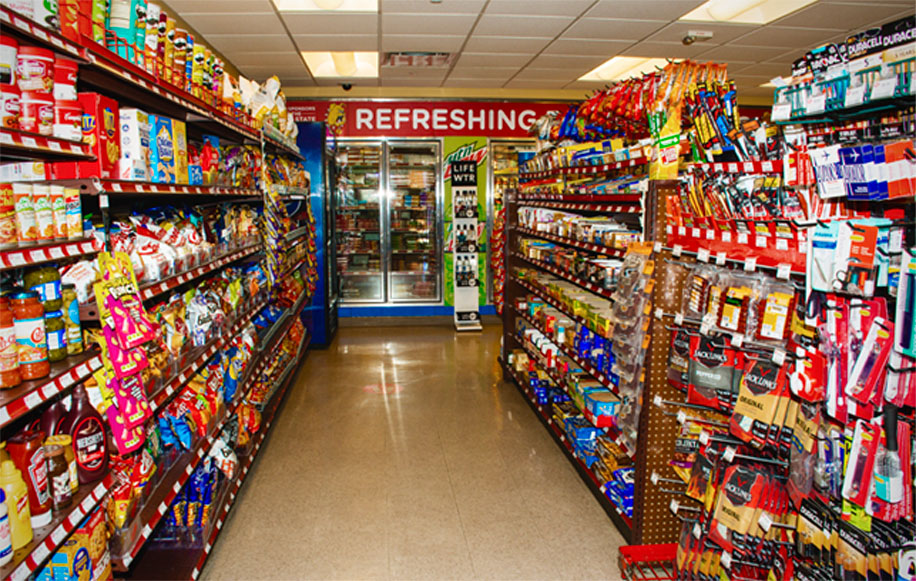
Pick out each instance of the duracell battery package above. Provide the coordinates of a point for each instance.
(712, 373)
(852, 553)
(679, 360)
(763, 387)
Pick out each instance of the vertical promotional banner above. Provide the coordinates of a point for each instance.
(470, 149)
(465, 213)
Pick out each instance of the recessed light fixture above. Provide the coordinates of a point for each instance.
(768, 85)
(326, 5)
(623, 67)
(745, 11)
(342, 65)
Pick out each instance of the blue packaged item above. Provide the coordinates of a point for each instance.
(182, 431)
(165, 432)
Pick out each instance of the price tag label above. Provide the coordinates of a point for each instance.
(704, 329)
(704, 437)
(726, 236)
(750, 264)
(710, 234)
(697, 531)
(33, 399)
(760, 241)
(681, 231)
(782, 244)
(6, 138)
(783, 271)
(779, 356)
(40, 34)
(737, 340)
(703, 255)
(54, 146)
(37, 255)
(658, 247)
(748, 167)
(781, 111)
(726, 560)
(58, 536)
(742, 239)
(59, 44)
(116, 187)
(883, 89)
(732, 168)
(729, 454)
(695, 232)
(721, 258)
(816, 103)
(677, 250)
(681, 417)
(854, 96)
(29, 141)
(40, 553)
(20, 23)
(766, 166)
(765, 522)
(17, 259)
(679, 319)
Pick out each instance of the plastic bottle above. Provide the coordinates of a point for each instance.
(25, 448)
(17, 503)
(6, 540)
(52, 418)
(9, 352)
(85, 425)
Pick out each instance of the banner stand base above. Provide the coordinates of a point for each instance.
(468, 326)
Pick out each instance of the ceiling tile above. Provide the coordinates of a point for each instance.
(643, 9)
(898, 16)
(290, 81)
(770, 36)
(675, 50)
(728, 52)
(484, 72)
(409, 82)
(538, 7)
(483, 59)
(448, 6)
(236, 6)
(262, 72)
(551, 74)
(448, 24)
(473, 83)
(234, 43)
(354, 82)
(721, 33)
(415, 42)
(234, 23)
(768, 70)
(586, 86)
(418, 72)
(607, 28)
(328, 42)
(505, 44)
(604, 48)
(315, 23)
(566, 61)
(280, 60)
(845, 16)
(529, 84)
(505, 25)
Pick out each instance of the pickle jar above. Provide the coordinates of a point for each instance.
(72, 319)
(57, 336)
(46, 282)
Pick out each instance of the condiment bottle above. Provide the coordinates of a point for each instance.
(46, 282)
(29, 320)
(25, 448)
(85, 425)
(59, 475)
(6, 541)
(9, 352)
(67, 443)
(71, 307)
(17, 502)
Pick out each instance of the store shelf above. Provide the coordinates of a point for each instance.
(358, 208)
(545, 296)
(429, 251)
(361, 273)
(623, 523)
(154, 289)
(358, 230)
(32, 255)
(279, 142)
(200, 357)
(292, 193)
(19, 400)
(585, 365)
(584, 170)
(35, 34)
(587, 200)
(29, 559)
(739, 167)
(297, 233)
(427, 167)
(24, 145)
(591, 287)
(588, 207)
(411, 208)
(125, 187)
(572, 242)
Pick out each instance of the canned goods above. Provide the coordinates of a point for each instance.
(65, 72)
(37, 112)
(8, 50)
(68, 120)
(35, 69)
(10, 106)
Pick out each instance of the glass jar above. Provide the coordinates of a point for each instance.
(57, 336)
(32, 344)
(72, 319)
(59, 475)
(46, 282)
(9, 353)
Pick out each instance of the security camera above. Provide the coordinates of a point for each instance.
(346, 86)
(696, 36)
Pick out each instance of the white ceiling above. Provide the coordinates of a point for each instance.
(521, 44)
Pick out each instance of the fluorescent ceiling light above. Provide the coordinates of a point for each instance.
(357, 65)
(745, 11)
(326, 5)
(768, 85)
(623, 67)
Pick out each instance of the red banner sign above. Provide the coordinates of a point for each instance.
(423, 118)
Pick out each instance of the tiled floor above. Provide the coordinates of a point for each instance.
(400, 454)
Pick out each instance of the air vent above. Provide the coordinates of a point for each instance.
(418, 60)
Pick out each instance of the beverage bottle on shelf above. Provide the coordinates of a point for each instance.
(85, 425)
(52, 417)
(25, 448)
(17, 504)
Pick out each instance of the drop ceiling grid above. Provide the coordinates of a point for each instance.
(514, 43)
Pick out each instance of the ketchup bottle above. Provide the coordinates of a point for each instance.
(27, 453)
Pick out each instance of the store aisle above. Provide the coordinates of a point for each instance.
(400, 454)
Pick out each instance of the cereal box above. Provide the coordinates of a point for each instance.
(162, 151)
(94, 535)
(180, 141)
(134, 163)
(101, 133)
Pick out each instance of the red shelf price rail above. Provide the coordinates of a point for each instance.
(586, 207)
(23, 144)
(126, 187)
(47, 539)
(584, 169)
(572, 242)
(591, 287)
(744, 167)
(153, 289)
(769, 250)
(17, 401)
(23, 257)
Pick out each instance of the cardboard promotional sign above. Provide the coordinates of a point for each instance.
(464, 219)
(424, 118)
